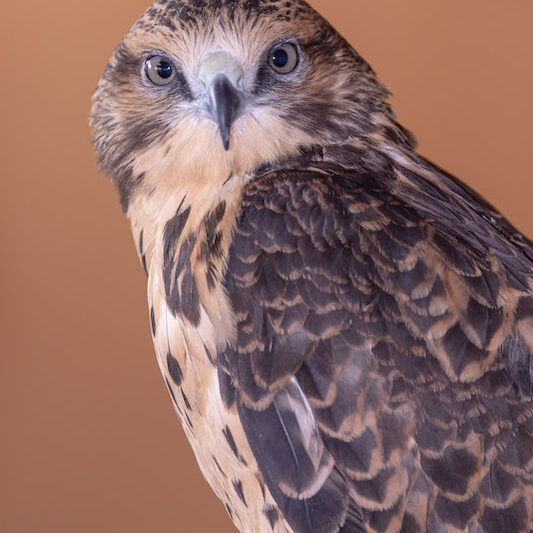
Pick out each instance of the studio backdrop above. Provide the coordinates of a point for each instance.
(88, 438)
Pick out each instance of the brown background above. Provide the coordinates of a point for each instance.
(89, 441)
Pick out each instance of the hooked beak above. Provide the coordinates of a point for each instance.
(224, 100)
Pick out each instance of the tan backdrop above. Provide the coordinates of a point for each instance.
(88, 438)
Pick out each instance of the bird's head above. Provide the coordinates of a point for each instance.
(199, 90)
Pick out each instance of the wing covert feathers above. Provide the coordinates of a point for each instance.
(383, 362)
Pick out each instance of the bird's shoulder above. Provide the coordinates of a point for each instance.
(353, 234)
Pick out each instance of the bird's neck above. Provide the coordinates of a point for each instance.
(162, 198)
(152, 213)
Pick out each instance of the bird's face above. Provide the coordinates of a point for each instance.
(201, 90)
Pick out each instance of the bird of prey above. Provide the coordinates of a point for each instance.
(345, 330)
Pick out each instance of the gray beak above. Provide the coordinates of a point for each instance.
(224, 100)
(224, 104)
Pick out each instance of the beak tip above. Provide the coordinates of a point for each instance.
(225, 135)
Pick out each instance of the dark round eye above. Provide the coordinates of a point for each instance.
(284, 58)
(160, 70)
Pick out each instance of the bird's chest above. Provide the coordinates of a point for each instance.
(191, 320)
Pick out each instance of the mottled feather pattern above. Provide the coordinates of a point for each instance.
(402, 337)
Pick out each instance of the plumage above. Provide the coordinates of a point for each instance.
(346, 330)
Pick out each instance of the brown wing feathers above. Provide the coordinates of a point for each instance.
(378, 363)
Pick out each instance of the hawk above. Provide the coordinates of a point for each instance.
(346, 330)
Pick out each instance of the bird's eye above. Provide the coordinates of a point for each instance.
(283, 59)
(160, 70)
